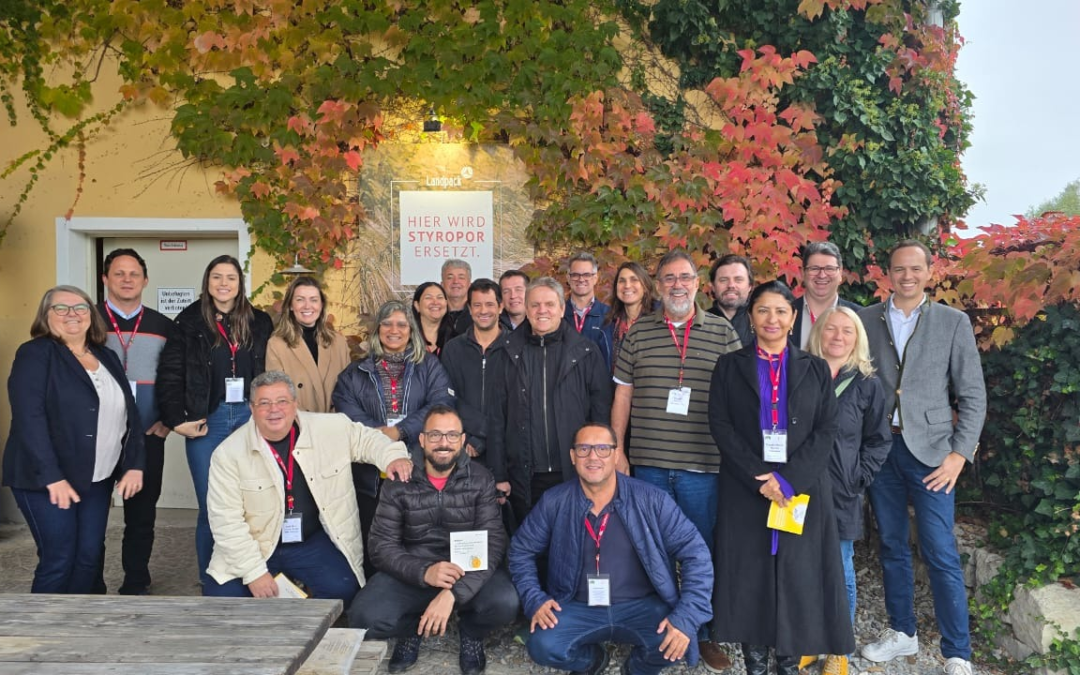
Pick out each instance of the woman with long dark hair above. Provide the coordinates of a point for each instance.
(634, 296)
(205, 370)
(429, 308)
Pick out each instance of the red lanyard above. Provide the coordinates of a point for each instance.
(597, 537)
(809, 311)
(233, 346)
(393, 388)
(774, 380)
(685, 343)
(579, 321)
(289, 501)
(120, 336)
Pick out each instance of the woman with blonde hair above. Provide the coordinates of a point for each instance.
(305, 347)
(862, 439)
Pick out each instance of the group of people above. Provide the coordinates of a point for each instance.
(644, 472)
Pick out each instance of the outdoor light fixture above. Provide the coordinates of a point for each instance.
(297, 268)
(432, 124)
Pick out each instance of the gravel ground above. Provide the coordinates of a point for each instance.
(173, 568)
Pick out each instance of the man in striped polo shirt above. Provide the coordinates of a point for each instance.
(662, 382)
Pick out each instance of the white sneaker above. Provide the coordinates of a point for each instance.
(958, 666)
(892, 643)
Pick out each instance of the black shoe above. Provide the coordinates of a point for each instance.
(471, 657)
(787, 665)
(756, 659)
(405, 653)
(599, 663)
(133, 590)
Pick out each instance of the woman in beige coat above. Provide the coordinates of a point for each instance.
(305, 348)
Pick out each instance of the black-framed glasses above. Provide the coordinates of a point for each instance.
(603, 450)
(81, 309)
(814, 270)
(436, 436)
(578, 276)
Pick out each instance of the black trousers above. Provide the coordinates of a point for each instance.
(389, 608)
(140, 515)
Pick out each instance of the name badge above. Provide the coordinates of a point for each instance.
(775, 446)
(234, 390)
(292, 531)
(394, 420)
(134, 389)
(678, 401)
(599, 590)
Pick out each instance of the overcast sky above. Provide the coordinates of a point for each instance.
(1020, 62)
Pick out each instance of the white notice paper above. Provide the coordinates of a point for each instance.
(469, 550)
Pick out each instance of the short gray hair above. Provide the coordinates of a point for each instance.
(270, 377)
(583, 256)
(456, 263)
(547, 282)
(823, 248)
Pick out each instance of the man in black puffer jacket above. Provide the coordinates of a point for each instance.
(417, 586)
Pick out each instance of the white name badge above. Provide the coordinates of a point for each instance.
(234, 390)
(599, 590)
(134, 388)
(292, 531)
(775, 446)
(678, 401)
(394, 420)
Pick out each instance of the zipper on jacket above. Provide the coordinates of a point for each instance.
(483, 382)
(543, 388)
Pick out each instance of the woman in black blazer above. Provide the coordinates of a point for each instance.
(75, 433)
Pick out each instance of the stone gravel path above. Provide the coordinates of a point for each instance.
(173, 569)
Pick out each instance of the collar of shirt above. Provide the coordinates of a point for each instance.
(899, 314)
(122, 314)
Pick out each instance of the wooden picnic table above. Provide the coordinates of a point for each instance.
(155, 635)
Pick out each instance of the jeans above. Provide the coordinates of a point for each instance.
(316, 563)
(847, 556)
(572, 643)
(899, 481)
(219, 424)
(697, 494)
(388, 607)
(69, 541)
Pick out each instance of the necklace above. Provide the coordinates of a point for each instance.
(83, 354)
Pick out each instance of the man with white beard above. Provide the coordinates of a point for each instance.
(662, 383)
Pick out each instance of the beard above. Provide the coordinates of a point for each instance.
(429, 455)
(678, 306)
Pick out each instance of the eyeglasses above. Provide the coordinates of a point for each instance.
(684, 279)
(814, 270)
(602, 451)
(580, 276)
(81, 309)
(264, 404)
(436, 436)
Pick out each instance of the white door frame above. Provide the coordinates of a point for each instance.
(75, 252)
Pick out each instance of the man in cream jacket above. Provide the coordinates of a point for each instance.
(281, 497)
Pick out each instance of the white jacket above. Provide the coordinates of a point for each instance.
(245, 500)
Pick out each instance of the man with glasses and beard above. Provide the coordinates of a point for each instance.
(612, 543)
(448, 499)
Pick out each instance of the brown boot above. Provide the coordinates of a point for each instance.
(713, 657)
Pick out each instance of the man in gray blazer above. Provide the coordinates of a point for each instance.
(926, 357)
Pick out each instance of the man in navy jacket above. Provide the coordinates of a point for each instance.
(612, 543)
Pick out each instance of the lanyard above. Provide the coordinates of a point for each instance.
(774, 380)
(289, 501)
(685, 343)
(813, 319)
(597, 537)
(233, 346)
(120, 336)
(393, 388)
(579, 321)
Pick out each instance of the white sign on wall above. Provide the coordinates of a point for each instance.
(437, 225)
(174, 300)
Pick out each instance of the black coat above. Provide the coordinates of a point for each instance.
(863, 441)
(183, 381)
(54, 418)
(473, 372)
(795, 601)
(413, 522)
(516, 424)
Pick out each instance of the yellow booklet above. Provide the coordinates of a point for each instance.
(791, 518)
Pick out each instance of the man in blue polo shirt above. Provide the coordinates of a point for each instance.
(612, 543)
